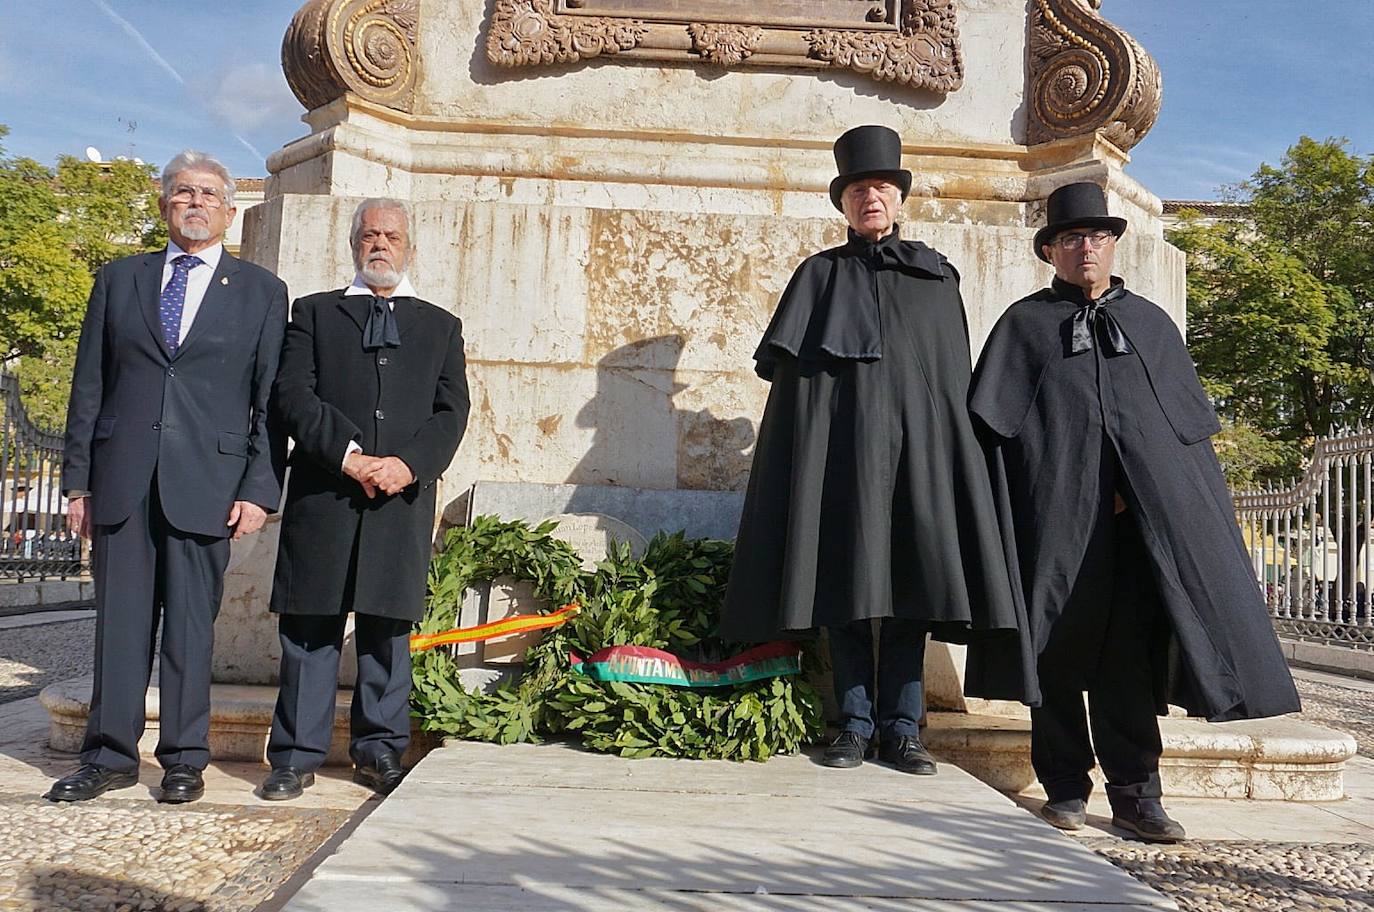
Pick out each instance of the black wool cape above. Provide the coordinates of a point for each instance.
(1048, 415)
(341, 551)
(869, 495)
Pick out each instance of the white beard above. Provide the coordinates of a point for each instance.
(381, 275)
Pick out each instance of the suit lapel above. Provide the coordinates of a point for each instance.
(148, 282)
(217, 302)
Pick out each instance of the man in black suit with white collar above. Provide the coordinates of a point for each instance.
(373, 390)
(168, 455)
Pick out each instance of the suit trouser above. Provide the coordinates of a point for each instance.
(1121, 711)
(303, 721)
(901, 661)
(147, 571)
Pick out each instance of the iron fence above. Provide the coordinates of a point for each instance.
(1311, 543)
(36, 543)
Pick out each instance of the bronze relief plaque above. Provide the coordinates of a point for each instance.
(910, 42)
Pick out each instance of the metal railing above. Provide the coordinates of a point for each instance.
(1312, 544)
(35, 542)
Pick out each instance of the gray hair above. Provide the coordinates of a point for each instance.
(378, 202)
(193, 160)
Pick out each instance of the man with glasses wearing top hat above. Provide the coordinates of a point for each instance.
(1138, 587)
(869, 499)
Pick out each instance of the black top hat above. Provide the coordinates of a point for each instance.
(870, 151)
(1081, 205)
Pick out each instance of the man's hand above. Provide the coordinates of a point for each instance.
(359, 467)
(245, 518)
(391, 474)
(78, 517)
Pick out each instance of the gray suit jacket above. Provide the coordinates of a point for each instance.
(198, 419)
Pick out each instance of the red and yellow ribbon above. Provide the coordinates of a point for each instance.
(520, 623)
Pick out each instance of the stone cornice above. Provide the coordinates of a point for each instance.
(1088, 76)
(367, 47)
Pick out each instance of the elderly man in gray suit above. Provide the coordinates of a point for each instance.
(168, 455)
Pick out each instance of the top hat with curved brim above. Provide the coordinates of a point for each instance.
(1080, 205)
(864, 152)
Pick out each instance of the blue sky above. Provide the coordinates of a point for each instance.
(1243, 80)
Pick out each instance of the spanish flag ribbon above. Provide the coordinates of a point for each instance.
(419, 642)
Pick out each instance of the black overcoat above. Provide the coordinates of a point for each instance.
(1048, 416)
(869, 495)
(341, 551)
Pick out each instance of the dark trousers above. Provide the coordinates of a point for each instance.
(148, 573)
(304, 718)
(901, 660)
(1121, 712)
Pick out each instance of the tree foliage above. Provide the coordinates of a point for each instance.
(57, 227)
(1281, 306)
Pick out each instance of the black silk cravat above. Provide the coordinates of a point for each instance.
(1095, 313)
(381, 330)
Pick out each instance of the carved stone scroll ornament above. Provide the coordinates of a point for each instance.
(530, 32)
(367, 47)
(911, 42)
(925, 53)
(724, 43)
(1088, 76)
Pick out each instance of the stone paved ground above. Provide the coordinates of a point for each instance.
(1235, 876)
(122, 855)
(33, 657)
(1344, 708)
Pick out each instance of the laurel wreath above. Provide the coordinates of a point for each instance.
(668, 599)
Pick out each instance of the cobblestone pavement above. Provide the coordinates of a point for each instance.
(1343, 708)
(31, 658)
(116, 855)
(1233, 876)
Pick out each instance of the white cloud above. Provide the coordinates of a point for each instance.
(248, 96)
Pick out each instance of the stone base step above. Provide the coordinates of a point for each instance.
(1273, 759)
(1268, 759)
(240, 719)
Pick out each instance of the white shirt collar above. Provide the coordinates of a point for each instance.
(209, 256)
(403, 290)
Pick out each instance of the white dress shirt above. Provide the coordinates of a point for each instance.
(403, 290)
(197, 281)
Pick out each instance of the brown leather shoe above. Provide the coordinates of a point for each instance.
(90, 780)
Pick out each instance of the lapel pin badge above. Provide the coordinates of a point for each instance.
(224, 280)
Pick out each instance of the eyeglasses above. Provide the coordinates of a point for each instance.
(1075, 241)
(185, 193)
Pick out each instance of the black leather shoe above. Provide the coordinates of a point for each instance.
(285, 783)
(91, 780)
(1145, 817)
(846, 751)
(908, 755)
(180, 784)
(1066, 814)
(381, 775)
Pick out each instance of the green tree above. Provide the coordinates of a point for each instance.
(57, 227)
(1281, 305)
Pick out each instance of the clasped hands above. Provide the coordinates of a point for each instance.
(388, 474)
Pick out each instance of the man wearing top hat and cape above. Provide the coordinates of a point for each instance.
(1138, 587)
(869, 497)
